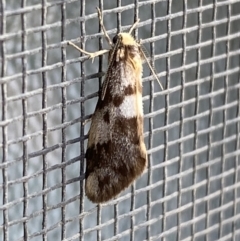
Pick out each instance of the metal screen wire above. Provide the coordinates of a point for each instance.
(191, 188)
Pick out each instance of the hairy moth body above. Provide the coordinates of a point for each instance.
(116, 153)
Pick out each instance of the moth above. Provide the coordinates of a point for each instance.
(116, 154)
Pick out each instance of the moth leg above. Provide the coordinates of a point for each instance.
(90, 55)
(87, 120)
(100, 52)
(100, 16)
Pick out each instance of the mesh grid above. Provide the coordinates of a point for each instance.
(190, 190)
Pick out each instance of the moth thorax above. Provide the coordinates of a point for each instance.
(127, 39)
(127, 50)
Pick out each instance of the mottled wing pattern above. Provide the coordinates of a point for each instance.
(116, 152)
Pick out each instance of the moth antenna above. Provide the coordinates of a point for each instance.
(134, 26)
(150, 66)
(100, 16)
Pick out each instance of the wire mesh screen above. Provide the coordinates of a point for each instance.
(190, 189)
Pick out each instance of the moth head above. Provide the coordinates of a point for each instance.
(125, 39)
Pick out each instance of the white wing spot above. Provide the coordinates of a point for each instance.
(128, 108)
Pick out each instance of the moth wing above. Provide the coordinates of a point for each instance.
(116, 153)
